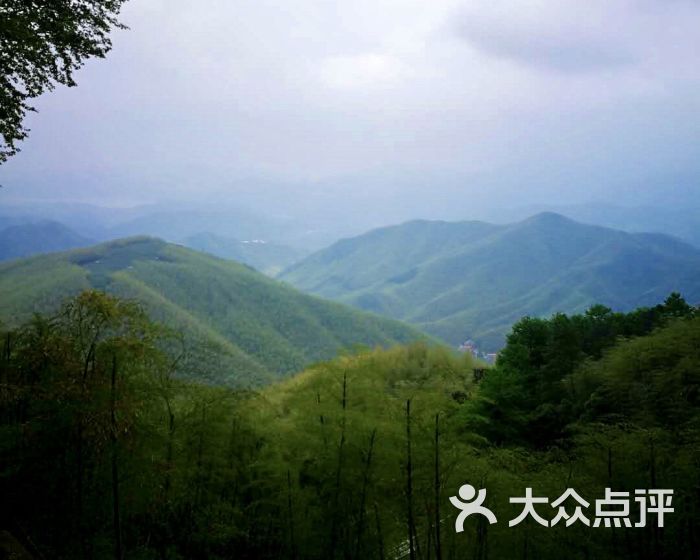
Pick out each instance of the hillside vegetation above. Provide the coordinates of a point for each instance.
(474, 280)
(104, 454)
(239, 326)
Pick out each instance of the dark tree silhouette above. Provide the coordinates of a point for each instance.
(42, 44)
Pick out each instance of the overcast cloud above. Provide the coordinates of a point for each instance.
(409, 100)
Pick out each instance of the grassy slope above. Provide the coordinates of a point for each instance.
(240, 326)
(473, 280)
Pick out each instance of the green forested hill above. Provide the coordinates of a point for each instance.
(474, 280)
(240, 326)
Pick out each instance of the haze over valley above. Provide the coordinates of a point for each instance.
(455, 281)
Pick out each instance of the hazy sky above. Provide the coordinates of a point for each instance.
(409, 101)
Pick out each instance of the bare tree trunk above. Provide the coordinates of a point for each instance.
(169, 449)
(409, 486)
(610, 484)
(338, 472)
(322, 421)
(481, 549)
(79, 488)
(118, 552)
(655, 531)
(200, 458)
(380, 536)
(292, 542)
(429, 534)
(438, 541)
(5, 369)
(80, 452)
(363, 497)
(5, 408)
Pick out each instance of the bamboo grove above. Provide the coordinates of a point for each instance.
(107, 452)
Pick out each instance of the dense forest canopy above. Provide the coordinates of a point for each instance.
(531, 396)
(105, 453)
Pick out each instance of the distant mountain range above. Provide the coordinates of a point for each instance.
(268, 258)
(240, 326)
(24, 236)
(174, 222)
(26, 239)
(677, 218)
(473, 280)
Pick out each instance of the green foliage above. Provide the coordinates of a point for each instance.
(72, 388)
(528, 397)
(317, 466)
(41, 45)
(651, 381)
(472, 280)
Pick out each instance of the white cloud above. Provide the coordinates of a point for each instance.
(362, 72)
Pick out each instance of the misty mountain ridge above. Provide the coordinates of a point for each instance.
(309, 219)
(175, 221)
(268, 258)
(473, 280)
(26, 239)
(678, 218)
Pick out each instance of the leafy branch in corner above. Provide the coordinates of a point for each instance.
(42, 44)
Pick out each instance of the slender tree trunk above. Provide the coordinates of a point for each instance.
(200, 458)
(338, 472)
(438, 540)
(4, 380)
(89, 359)
(6, 355)
(363, 496)
(118, 552)
(169, 458)
(429, 537)
(322, 421)
(380, 536)
(169, 449)
(655, 531)
(89, 365)
(8, 347)
(79, 487)
(481, 550)
(409, 486)
(290, 512)
(692, 517)
(610, 484)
